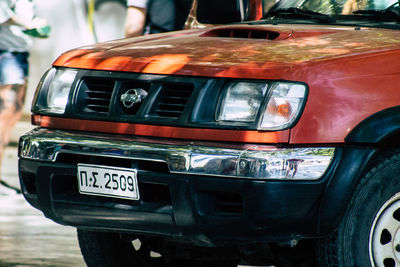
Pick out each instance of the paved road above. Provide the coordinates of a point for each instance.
(27, 238)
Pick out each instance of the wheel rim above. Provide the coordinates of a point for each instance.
(384, 240)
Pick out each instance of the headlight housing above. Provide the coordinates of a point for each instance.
(272, 105)
(53, 91)
(241, 101)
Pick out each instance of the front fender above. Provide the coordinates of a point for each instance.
(376, 127)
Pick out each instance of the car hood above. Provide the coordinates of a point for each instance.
(261, 52)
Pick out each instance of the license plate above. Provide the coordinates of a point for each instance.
(108, 181)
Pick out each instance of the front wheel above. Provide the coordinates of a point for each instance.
(103, 249)
(369, 234)
(385, 234)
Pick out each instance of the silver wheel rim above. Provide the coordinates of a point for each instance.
(384, 238)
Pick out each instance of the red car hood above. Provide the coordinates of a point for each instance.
(261, 52)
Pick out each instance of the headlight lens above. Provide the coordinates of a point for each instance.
(54, 91)
(284, 105)
(277, 104)
(241, 101)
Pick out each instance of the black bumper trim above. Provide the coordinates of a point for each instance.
(251, 210)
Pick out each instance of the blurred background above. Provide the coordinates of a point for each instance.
(27, 237)
(73, 23)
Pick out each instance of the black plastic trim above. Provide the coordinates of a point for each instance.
(262, 210)
(376, 127)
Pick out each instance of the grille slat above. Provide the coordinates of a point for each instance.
(173, 100)
(98, 100)
(169, 112)
(95, 106)
(98, 94)
(171, 103)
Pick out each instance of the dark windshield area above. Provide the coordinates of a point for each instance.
(332, 7)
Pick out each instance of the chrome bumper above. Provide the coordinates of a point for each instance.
(183, 157)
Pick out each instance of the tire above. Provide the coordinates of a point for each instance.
(108, 250)
(369, 234)
(103, 249)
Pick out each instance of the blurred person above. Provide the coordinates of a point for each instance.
(353, 5)
(17, 20)
(155, 16)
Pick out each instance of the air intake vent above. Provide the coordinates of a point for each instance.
(242, 33)
(97, 95)
(172, 100)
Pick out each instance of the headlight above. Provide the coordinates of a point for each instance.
(273, 106)
(241, 101)
(53, 91)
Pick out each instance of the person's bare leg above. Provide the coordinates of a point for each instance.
(11, 102)
(14, 98)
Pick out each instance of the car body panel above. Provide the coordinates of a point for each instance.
(336, 62)
(196, 52)
(163, 131)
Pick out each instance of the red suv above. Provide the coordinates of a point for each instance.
(225, 144)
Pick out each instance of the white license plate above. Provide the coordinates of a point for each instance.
(108, 181)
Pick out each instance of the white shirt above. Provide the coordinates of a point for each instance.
(11, 36)
(137, 3)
